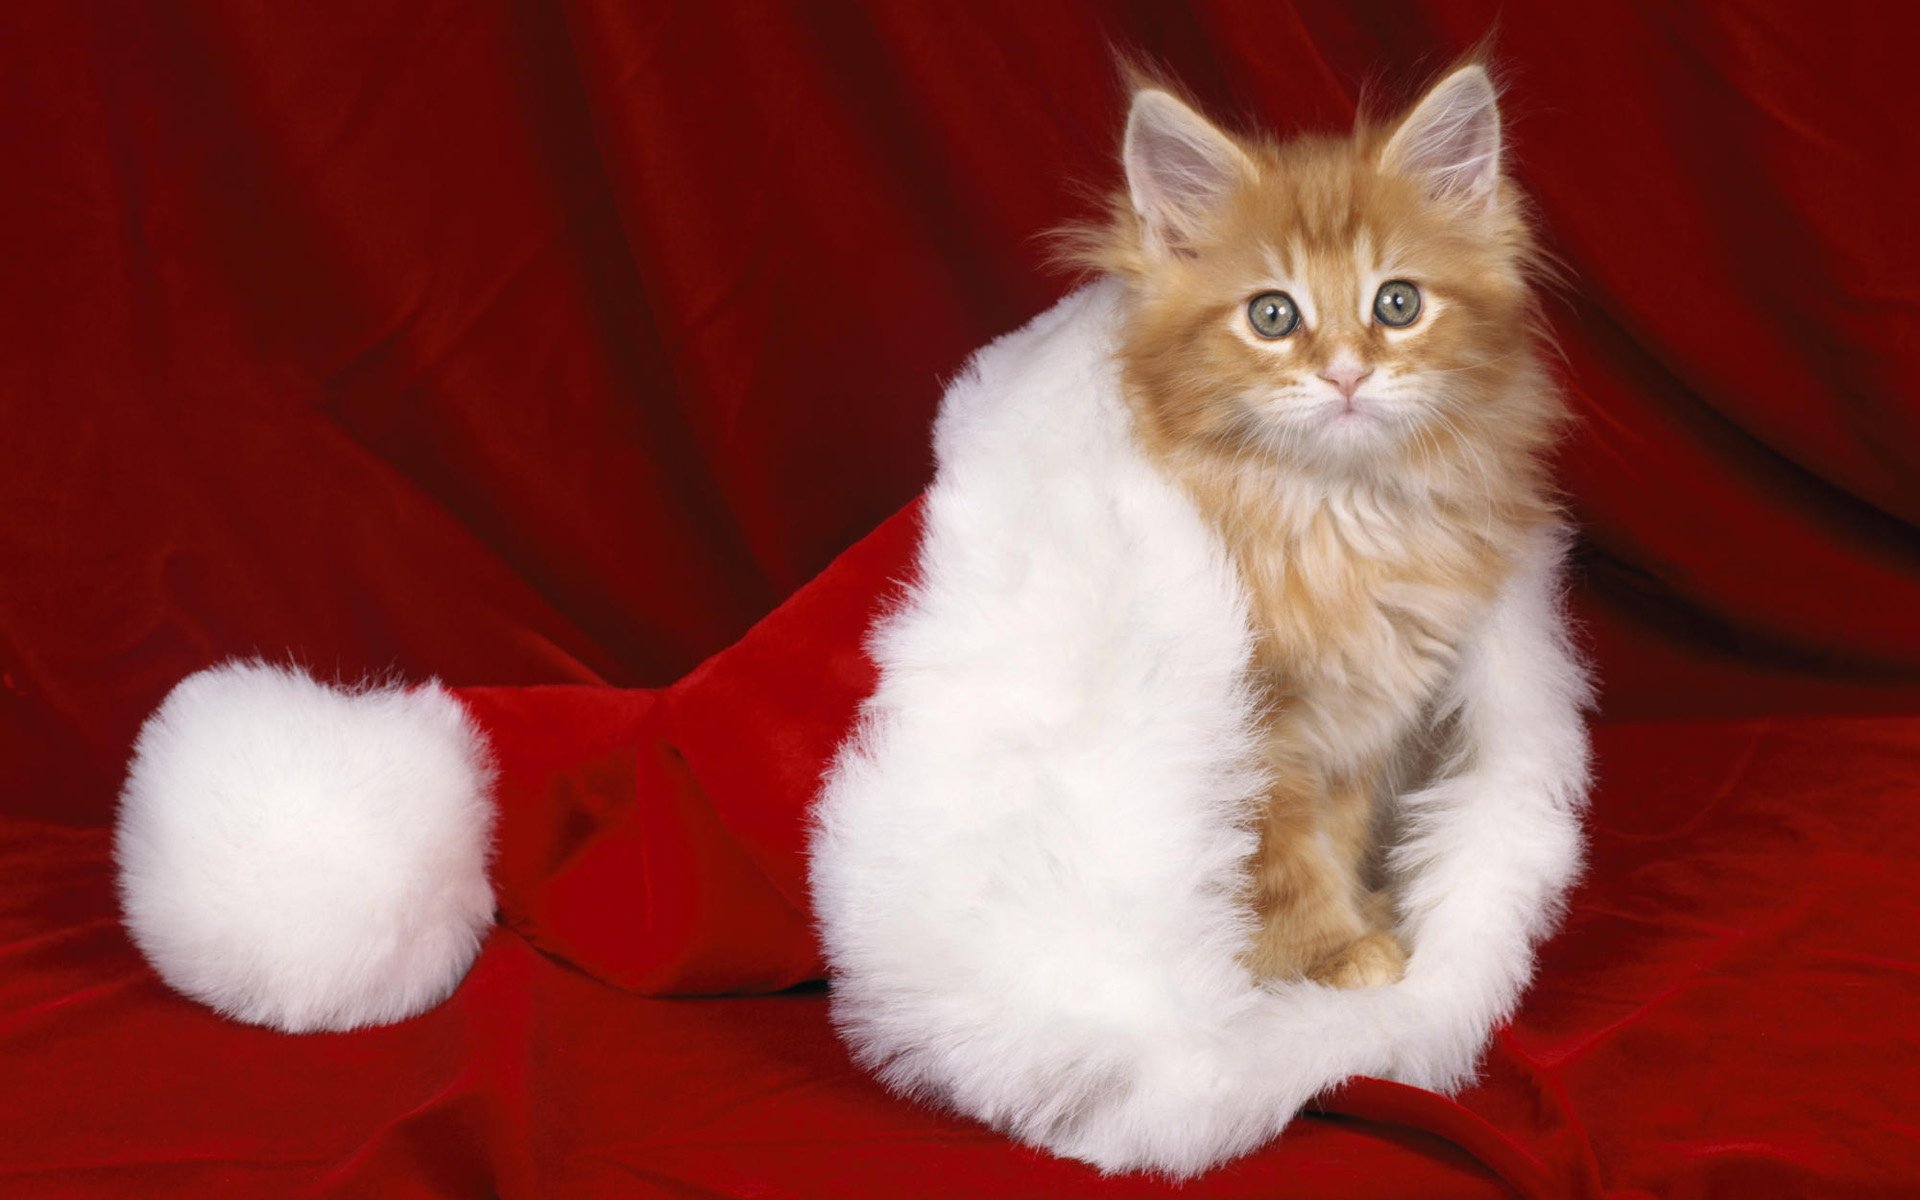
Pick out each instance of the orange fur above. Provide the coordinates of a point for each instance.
(1370, 543)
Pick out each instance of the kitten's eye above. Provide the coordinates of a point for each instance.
(1272, 314)
(1397, 304)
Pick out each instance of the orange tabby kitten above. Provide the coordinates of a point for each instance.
(1329, 345)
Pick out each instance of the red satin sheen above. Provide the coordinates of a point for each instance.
(526, 345)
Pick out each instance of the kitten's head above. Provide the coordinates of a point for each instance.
(1353, 306)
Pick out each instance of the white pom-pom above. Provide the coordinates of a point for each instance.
(306, 857)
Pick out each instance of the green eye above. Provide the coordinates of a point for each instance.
(1397, 304)
(1272, 314)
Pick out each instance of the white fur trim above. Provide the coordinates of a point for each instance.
(1024, 862)
(306, 857)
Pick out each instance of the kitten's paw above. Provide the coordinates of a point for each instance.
(1372, 960)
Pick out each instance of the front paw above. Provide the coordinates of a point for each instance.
(1372, 960)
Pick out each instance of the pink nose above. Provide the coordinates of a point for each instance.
(1346, 378)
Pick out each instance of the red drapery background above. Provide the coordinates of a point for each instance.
(523, 343)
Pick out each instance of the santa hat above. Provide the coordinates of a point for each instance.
(1025, 859)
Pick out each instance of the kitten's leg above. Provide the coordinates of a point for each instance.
(1306, 895)
(1370, 960)
(1375, 957)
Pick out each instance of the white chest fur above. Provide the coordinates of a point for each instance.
(1361, 595)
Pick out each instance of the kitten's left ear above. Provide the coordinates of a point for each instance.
(1180, 169)
(1451, 140)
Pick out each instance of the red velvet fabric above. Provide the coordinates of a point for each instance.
(1727, 1013)
(656, 839)
(521, 344)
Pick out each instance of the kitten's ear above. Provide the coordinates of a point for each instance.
(1180, 169)
(1451, 139)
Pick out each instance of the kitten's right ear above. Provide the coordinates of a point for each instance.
(1180, 169)
(1450, 142)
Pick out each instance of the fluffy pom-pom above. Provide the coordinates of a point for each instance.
(303, 856)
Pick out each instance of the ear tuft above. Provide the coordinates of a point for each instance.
(1451, 139)
(1180, 168)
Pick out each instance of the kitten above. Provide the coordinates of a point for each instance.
(1329, 344)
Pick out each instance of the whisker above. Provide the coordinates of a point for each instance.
(1472, 366)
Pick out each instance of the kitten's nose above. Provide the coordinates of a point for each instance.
(1347, 377)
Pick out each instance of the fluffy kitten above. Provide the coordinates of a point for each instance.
(1329, 344)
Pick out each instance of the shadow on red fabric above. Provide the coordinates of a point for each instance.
(595, 347)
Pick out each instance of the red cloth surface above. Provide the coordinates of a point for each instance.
(521, 344)
(1727, 1013)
